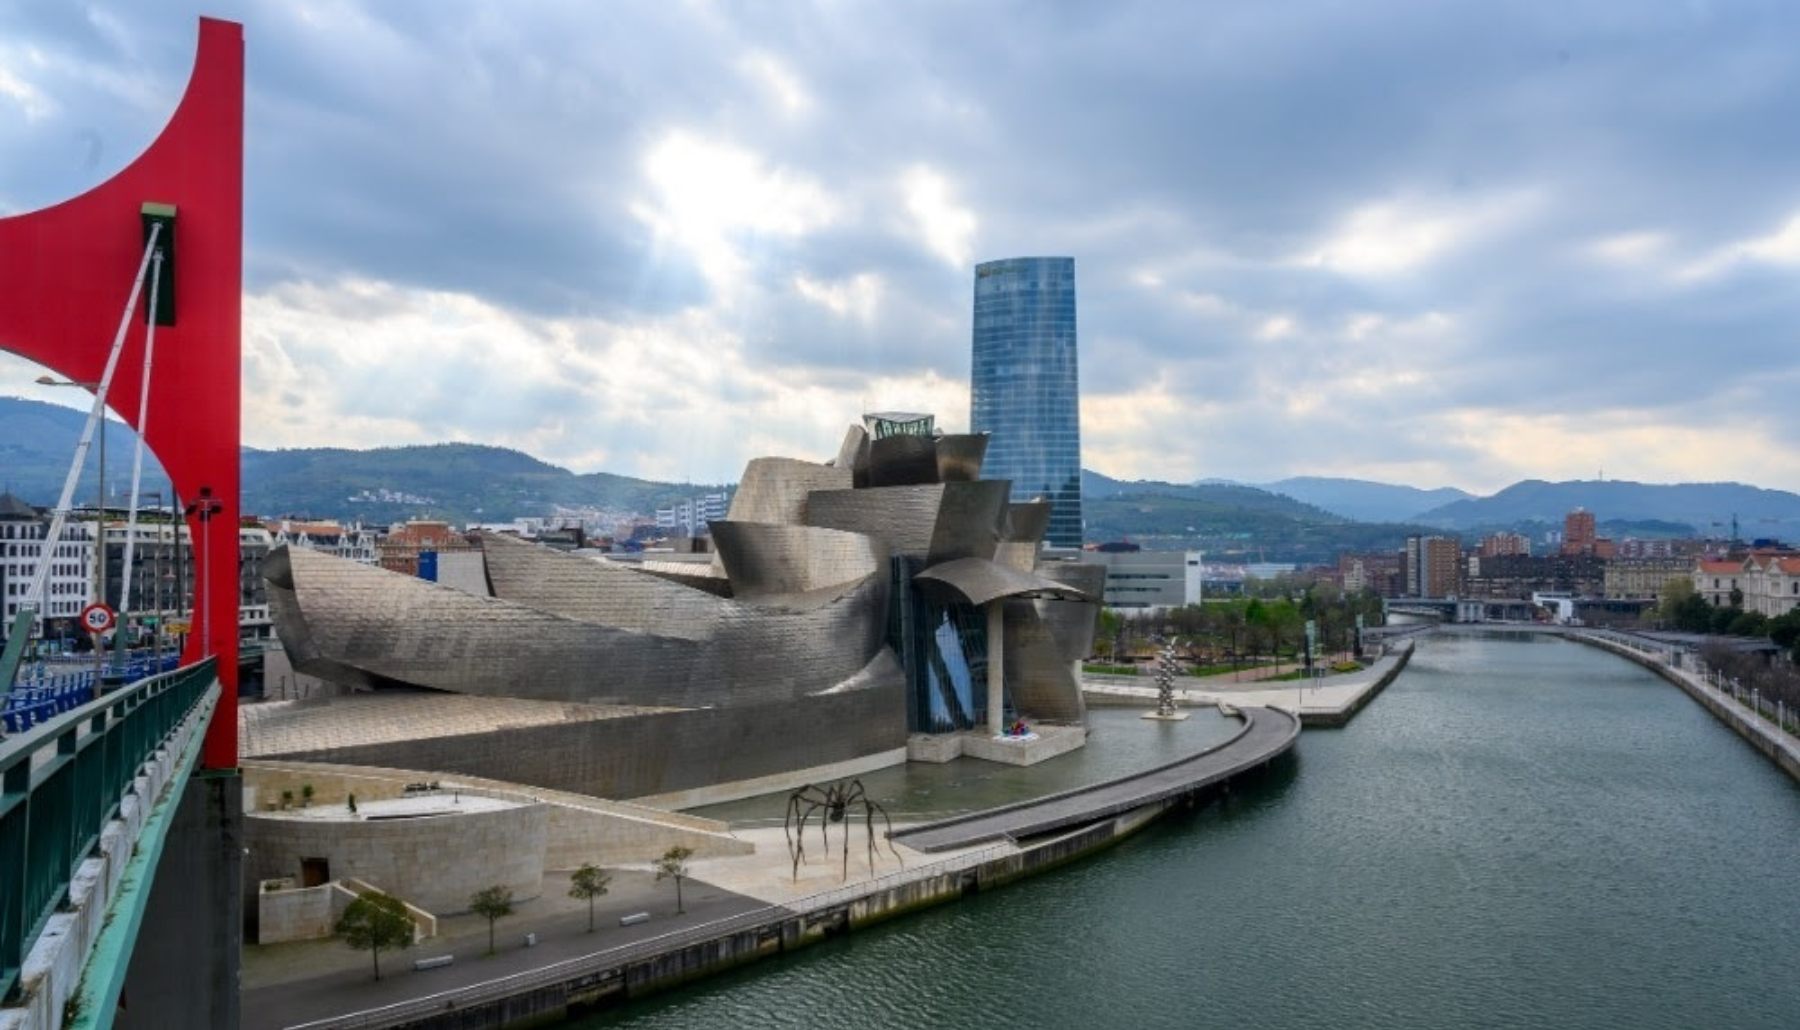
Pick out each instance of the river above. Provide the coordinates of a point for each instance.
(1520, 832)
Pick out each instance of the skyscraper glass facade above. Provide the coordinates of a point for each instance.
(1024, 388)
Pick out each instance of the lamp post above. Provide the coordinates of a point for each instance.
(204, 508)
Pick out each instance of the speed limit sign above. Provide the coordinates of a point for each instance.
(97, 617)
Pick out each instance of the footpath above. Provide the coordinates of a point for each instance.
(1329, 701)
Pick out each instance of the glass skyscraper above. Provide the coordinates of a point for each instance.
(1024, 387)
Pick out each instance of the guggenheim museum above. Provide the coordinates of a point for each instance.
(886, 597)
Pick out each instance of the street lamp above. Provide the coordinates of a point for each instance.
(204, 508)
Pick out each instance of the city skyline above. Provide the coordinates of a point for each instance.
(1443, 248)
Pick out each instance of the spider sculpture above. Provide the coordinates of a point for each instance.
(831, 803)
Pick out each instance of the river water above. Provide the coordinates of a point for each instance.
(1520, 832)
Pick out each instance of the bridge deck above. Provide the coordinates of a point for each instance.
(1267, 732)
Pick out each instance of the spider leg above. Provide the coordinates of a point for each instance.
(890, 836)
(787, 832)
(869, 833)
(800, 836)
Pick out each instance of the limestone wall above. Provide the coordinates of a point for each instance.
(435, 862)
(295, 914)
(578, 829)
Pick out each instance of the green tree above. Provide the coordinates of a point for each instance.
(587, 884)
(1749, 624)
(673, 865)
(492, 903)
(375, 921)
(1720, 620)
(1109, 631)
(306, 795)
(1785, 630)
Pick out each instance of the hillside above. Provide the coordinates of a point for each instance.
(37, 440)
(1229, 521)
(1364, 500)
(1707, 507)
(453, 480)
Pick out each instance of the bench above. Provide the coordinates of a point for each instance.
(434, 962)
(634, 919)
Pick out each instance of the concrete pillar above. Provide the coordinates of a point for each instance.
(996, 667)
(184, 967)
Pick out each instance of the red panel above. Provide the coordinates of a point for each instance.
(66, 271)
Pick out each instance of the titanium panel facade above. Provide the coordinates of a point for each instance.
(660, 752)
(775, 489)
(979, 581)
(768, 561)
(1024, 388)
(940, 521)
(356, 624)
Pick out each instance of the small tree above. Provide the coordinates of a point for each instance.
(351, 802)
(587, 884)
(492, 903)
(375, 921)
(306, 795)
(673, 865)
(287, 799)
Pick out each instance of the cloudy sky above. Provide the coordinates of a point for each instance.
(1430, 243)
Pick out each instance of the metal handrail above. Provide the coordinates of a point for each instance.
(556, 972)
(61, 781)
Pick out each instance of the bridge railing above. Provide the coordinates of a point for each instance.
(60, 782)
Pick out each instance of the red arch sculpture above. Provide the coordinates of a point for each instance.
(66, 271)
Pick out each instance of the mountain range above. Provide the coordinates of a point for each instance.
(1305, 518)
(457, 481)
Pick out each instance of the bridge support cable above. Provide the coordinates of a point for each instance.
(34, 593)
(143, 426)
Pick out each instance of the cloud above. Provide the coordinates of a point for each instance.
(1447, 244)
(1779, 248)
(945, 226)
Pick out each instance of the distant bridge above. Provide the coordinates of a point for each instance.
(1564, 607)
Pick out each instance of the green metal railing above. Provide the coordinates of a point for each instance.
(60, 783)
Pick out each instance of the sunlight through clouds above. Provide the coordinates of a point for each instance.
(943, 225)
(713, 198)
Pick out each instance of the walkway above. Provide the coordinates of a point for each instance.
(1267, 733)
(1328, 701)
(304, 981)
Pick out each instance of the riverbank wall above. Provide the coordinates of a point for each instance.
(571, 988)
(1335, 718)
(1774, 744)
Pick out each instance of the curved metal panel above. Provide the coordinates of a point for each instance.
(1026, 521)
(354, 623)
(1089, 579)
(940, 521)
(979, 581)
(853, 453)
(775, 489)
(632, 756)
(763, 560)
(1044, 641)
(903, 461)
(968, 524)
(709, 577)
(959, 456)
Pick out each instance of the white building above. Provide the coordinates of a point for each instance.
(351, 541)
(689, 517)
(70, 585)
(1149, 579)
(1771, 584)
